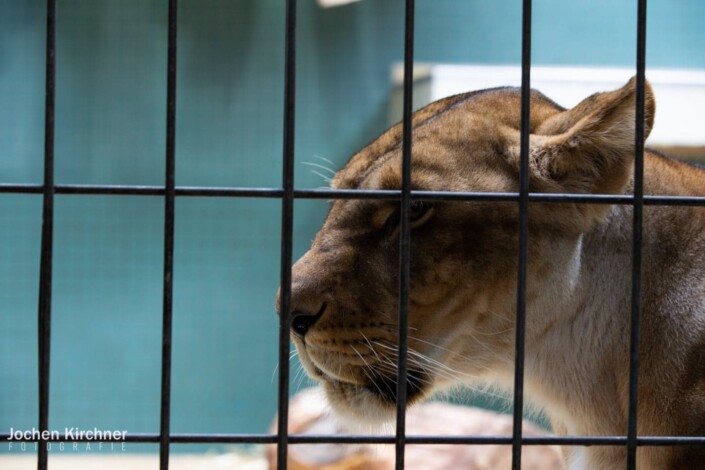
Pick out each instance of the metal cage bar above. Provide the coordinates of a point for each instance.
(523, 206)
(288, 193)
(638, 210)
(46, 257)
(276, 193)
(287, 222)
(169, 213)
(404, 236)
(205, 438)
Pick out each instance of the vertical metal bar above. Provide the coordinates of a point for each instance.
(169, 191)
(523, 236)
(45, 270)
(637, 236)
(405, 234)
(287, 232)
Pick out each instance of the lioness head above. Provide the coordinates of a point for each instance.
(462, 298)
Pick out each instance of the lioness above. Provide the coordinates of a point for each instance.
(464, 269)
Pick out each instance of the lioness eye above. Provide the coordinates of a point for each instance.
(419, 213)
(417, 209)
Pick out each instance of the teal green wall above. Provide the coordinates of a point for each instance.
(565, 32)
(110, 126)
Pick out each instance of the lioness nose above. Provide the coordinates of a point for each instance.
(303, 313)
(302, 321)
(307, 304)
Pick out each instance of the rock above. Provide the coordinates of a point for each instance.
(310, 414)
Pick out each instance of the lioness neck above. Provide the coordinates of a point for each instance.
(585, 392)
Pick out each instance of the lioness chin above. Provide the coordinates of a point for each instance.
(462, 301)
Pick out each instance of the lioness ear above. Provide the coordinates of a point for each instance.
(590, 148)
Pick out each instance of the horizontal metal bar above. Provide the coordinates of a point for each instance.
(206, 191)
(661, 441)
(128, 190)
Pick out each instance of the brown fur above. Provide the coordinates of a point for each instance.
(464, 264)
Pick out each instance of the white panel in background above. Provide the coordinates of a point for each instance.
(334, 3)
(680, 94)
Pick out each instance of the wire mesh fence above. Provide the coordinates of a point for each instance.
(288, 193)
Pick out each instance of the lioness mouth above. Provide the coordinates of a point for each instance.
(386, 387)
(382, 387)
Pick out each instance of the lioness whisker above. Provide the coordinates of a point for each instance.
(389, 362)
(323, 177)
(318, 165)
(274, 372)
(299, 377)
(374, 351)
(439, 367)
(362, 358)
(390, 366)
(370, 373)
(451, 377)
(454, 353)
(322, 158)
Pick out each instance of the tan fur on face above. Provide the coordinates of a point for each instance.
(463, 274)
